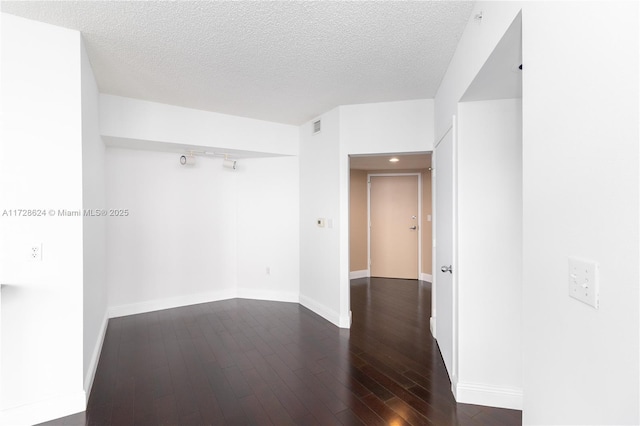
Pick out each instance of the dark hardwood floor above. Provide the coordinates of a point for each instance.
(251, 362)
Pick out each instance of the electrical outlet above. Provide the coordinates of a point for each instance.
(268, 270)
(583, 281)
(35, 252)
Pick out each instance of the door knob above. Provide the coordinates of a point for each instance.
(447, 269)
(414, 227)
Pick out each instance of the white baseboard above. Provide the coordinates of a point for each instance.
(488, 395)
(325, 312)
(168, 303)
(274, 296)
(342, 321)
(345, 321)
(426, 277)
(95, 357)
(194, 299)
(45, 410)
(354, 275)
(432, 326)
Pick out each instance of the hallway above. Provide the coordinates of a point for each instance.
(391, 339)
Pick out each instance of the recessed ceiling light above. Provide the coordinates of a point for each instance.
(394, 160)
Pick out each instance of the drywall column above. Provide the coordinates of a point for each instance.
(490, 253)
(320, 267)
(41, 376)
(94, 227)
(580, 195)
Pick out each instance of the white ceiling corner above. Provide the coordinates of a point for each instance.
(279, 61)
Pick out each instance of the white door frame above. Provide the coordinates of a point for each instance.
(369, 176)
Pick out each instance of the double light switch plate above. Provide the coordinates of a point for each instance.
(583, 281)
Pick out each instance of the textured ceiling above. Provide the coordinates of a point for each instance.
(279, 61)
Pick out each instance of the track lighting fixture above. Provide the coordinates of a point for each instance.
(188, 160)
(230, 164)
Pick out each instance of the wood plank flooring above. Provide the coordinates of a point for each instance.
(248, 362)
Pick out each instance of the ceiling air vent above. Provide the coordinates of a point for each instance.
(316, 127)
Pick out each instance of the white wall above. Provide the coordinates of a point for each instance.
(151, 121)
(178, 243)
(319, 198)
(404, 126)
(41, 168)
(580, 197)
(580, 103)
(268, 229)
(490, 253)
(94, 233)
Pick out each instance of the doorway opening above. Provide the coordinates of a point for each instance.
(369, 250)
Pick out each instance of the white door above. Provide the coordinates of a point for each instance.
(444, 269)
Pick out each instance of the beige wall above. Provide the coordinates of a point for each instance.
(358, 219)
(427, 246)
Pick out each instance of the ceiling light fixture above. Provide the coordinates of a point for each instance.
(394, 160)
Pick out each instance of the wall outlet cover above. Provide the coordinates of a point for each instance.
(35, 252)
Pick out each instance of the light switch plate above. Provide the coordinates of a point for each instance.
(583, 281)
